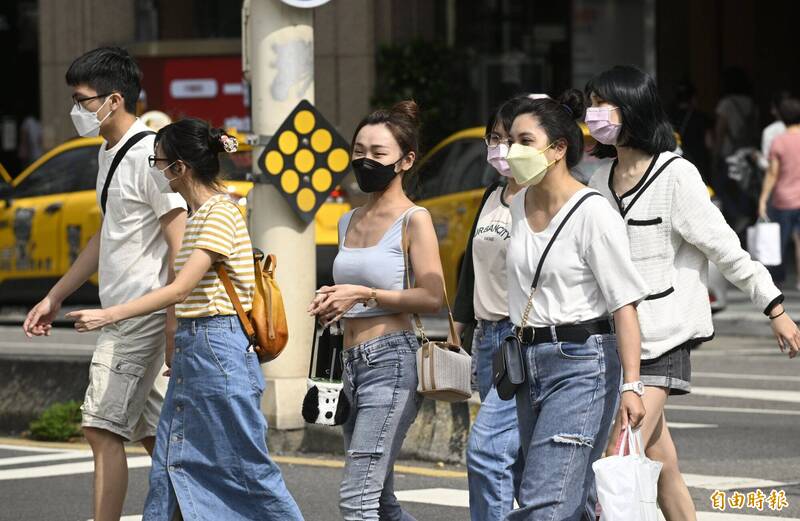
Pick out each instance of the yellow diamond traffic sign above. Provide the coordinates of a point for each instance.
(306, 160)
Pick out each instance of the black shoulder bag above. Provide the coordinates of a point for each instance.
(508, 363)
(117, 160)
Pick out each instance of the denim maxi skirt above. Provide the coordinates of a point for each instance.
(211, 458)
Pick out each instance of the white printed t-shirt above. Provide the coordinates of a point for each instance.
(588, 272)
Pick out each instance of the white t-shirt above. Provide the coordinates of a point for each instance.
(588, 272)
(133, 252)
(489, 246)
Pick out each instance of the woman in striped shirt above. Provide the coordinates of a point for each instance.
(211, 458)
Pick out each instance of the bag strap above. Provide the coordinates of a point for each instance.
(237, 304)
(547, 248)
(117, 160)
(405, 245)
(313, 348)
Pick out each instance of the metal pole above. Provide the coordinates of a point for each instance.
(278, 61)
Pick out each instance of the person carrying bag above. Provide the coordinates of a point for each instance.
(627, 485)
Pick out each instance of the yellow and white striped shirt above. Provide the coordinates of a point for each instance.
(218, 226)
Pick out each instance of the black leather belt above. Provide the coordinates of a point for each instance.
(574, 333)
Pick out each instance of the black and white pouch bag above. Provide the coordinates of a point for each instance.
(325, 402)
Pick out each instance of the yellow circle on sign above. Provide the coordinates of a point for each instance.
(306, 199)
(321, 140)
(304, 121)
(304, 161)
(321, 180)
(338, 160)
(274, 162)
(287, 142)
(290, 181)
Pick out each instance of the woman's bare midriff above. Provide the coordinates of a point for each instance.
(360, 330)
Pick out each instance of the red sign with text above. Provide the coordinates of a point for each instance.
(209, 88)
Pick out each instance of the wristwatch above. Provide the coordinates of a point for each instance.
(372, 301)
(637, 387)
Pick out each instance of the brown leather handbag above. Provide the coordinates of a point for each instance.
(265, 325)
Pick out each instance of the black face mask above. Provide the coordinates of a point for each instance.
(372, 176)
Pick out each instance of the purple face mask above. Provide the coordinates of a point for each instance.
(496, 156)
(598, 119)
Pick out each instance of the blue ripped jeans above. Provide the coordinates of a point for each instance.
(380, 380)
(565, 410)
(494, 458)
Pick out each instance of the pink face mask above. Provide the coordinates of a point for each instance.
(496, 156)
(598, 119)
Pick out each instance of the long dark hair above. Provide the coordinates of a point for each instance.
(645, 125)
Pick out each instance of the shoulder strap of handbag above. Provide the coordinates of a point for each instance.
(117, 160)
(233, 296)
(405, 245)
(313, 347)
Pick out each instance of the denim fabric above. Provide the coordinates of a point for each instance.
(565, 410)
(211, 458)
(380, 379)
(494, 458)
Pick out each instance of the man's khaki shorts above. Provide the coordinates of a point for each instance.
(126, 386)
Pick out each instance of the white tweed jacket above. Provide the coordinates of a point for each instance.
(674, 229)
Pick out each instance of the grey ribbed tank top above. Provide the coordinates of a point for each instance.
(380, 266)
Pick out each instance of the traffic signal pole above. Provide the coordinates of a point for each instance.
(278, 63)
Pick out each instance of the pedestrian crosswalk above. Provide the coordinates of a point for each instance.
(41, 462)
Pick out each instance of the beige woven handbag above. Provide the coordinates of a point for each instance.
(444, 370)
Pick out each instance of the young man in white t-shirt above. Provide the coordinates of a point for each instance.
(134, 253)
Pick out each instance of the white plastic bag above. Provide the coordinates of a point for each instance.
(764, 243)
(627, 486)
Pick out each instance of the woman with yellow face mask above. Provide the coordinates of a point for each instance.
(569, 271)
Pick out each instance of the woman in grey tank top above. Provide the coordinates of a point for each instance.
(370, 294)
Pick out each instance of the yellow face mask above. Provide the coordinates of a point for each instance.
(528, 164)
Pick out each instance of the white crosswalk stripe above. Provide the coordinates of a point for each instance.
(19, 460)
(65, 469)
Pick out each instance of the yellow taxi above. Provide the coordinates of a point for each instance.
(49, 212)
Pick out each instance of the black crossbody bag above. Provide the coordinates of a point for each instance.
(508, 363)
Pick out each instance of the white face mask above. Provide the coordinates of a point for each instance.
(161, 180)
(85, 122)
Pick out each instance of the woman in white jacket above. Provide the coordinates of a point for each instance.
(673, 229)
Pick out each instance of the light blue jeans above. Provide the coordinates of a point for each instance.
(565, 410)
(380, 380)
(494, 458)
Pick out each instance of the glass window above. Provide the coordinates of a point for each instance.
(470, 170)
(70, 171)
(427, 181)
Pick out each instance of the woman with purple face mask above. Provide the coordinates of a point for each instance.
(494, 460)
(673, 230)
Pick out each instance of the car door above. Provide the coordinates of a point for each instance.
(458, 180)
(38, 238)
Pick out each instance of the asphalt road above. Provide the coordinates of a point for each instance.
(739, 431)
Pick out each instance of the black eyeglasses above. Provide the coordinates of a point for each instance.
(153, 160)
(78, 101)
